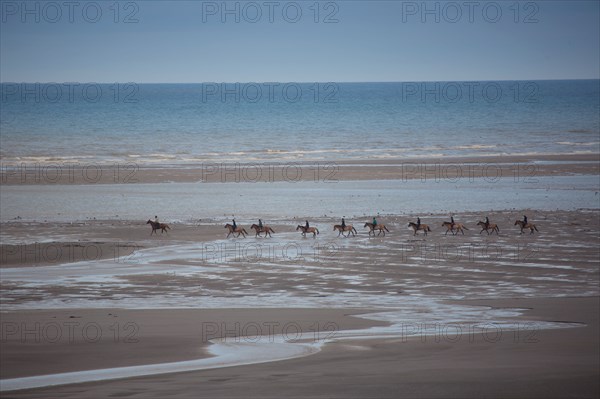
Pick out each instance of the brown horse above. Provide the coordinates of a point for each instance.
(265, 229)
(423, 227)
(523, 226)
(450, 228)
(304, 230)
(348, 228)
(492, 226)
(155, 226)
(372, 227)
(238, 230)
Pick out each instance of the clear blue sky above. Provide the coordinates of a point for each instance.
(177, 41)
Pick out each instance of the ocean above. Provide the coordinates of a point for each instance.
(178, 124)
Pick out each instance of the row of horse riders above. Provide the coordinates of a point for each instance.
(344, 228)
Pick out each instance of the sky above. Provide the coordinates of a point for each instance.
(297, 41)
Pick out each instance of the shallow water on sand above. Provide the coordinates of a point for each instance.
(185, 202)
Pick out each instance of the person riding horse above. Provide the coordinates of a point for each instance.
(418, 222)
(307, 226)
(374, 222)
(524, 219)
(260, 225)
(487, 223)
(234, 224)
(343, 224)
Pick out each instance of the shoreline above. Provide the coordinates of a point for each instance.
(449, 168)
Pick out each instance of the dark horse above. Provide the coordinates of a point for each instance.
(155, 226)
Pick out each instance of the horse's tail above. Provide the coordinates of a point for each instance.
(428, 229)
(167, 227)
(272, 231)
(465, 227)
(354, 230)
(497, 228)
(535, 228)
(317, 230)
(386, 229)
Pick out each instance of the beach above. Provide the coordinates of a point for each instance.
(325, 199)
(94, 299)
(551, 364)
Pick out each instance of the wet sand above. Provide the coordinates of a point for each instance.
(533, 364)
(113, 277)
(88, 339)
(521, 166)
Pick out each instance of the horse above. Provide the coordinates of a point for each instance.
(304, 230)
(265, 229)
(239, 230)
(523, 226)
(423, 227)
(450, 227)
(372, 227)
(155, 226)
(348, 228)
(490, 226)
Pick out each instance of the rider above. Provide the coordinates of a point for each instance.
(374, 222)
(260, 225)
(487, 222)
(524, 219)
(451, 222)
(306, 226)
(418, 222)
(234, 224)
(155, 219)
(343, 224)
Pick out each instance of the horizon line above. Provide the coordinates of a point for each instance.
(308, 82)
